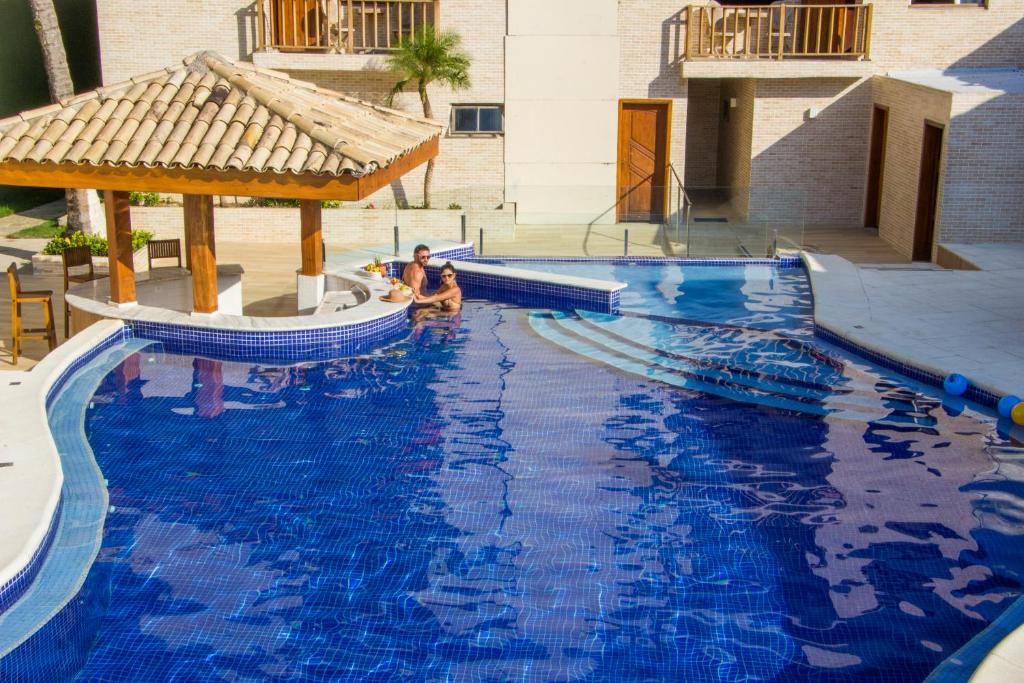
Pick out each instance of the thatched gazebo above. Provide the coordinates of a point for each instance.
(212, 127)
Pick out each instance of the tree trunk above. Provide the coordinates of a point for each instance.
(428, 177)
(58, 77)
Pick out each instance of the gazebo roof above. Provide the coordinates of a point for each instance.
(209, 118)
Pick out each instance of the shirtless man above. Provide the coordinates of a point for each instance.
(414, 275)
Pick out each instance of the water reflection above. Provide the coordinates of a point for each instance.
(473, 504)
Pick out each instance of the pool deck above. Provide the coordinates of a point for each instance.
(942, 321)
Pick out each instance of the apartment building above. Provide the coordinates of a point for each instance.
(896, 114)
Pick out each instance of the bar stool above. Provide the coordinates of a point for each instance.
(163, 249)
(19, 297)
(75, 257)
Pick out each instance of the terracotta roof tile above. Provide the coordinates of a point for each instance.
(210, 113)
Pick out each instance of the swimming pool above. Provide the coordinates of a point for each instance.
(534, 495)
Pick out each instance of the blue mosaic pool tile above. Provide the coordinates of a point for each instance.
(12, 591)
(973, 393)
(283, 345)
(781, 262)
(523, 292)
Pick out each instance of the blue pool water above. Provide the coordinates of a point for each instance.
(529, 495)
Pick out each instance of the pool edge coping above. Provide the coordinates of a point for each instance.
(35, 450)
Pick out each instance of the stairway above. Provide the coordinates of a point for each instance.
(740, 364)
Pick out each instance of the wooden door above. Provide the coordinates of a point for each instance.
(927, 192)
(642, 161)
(876, 167)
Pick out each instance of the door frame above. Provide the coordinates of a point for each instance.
(619, 167)
(873, 209)
(924, 235)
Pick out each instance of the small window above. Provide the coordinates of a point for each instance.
(477, 118)
(969, 3)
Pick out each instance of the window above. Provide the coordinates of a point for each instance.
(470, 119)
(969, 3)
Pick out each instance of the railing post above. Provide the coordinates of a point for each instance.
(463, 221)
(782, 29)
(481, 241)
(350, 37)
(261, 30)
(625, 242)
(867, 33)
(396, 239)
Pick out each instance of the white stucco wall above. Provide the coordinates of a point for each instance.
(561, 110)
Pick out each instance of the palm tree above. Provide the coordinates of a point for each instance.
(58, 76)
(430, 56)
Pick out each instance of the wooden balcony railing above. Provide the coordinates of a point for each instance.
(353, 26)
(778, 31)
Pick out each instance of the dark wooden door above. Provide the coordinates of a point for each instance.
(927, 192)
(876, 167)
(643, 161)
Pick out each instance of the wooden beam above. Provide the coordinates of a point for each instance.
(370, 183)
(180, 180)
(345, 187)
(119, 247)
(199, 227)
(312, 237)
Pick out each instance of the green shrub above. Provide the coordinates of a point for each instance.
(455, 206)
(97, 245)
(144, 198)
(289, 203)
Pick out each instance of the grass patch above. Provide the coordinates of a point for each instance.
(47, 230)
(27, 198)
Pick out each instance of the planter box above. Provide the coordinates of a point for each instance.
(44, 264)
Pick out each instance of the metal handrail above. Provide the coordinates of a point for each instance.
(683, 207)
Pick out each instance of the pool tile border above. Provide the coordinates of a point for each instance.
(973, 393)
(14, 589)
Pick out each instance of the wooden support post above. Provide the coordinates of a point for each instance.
(203, 257)
(312, 237)
(119, 246)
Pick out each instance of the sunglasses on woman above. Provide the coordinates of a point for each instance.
(447, 276)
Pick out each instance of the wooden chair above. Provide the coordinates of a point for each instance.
(164, 249)
(75, 257)
(19, 297)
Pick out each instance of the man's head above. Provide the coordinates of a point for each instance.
(421, 254)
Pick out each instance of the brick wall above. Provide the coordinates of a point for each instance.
(340, 226)
(704, 108)
(139, 36)
(734, 140)
(817, 163)
(939, 36)
(983, 187)
(909, 107)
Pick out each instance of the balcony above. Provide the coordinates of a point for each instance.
(335, 34)
(748, 36)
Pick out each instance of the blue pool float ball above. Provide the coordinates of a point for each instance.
(1006, 404)
(955, 384)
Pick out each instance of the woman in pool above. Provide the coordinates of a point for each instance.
(448, 297)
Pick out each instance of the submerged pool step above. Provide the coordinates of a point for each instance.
(546, 326)
(562, 329)
(850, 395)
(766, 385)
